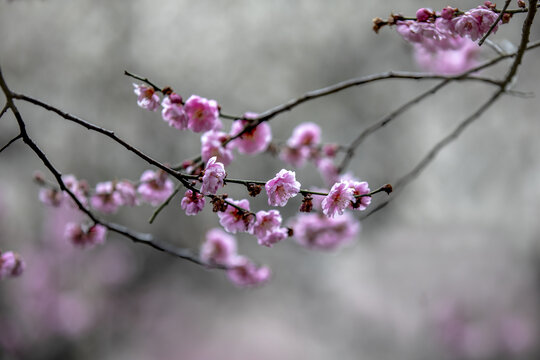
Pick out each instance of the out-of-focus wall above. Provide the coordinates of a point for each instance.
(455, 253)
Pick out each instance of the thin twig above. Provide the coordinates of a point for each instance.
(6, 107)
(11, 142)
(164, 204)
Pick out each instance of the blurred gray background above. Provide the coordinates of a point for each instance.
(454, 257)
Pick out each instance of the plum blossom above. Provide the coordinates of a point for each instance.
(282, 187)
(244, 273)
(338, 199)
(146, 97)
(305, 134)
(466, 25)
(274, 236)
(234, 220)
(192, 202)
(295, 156)
(451, 61)
(254, 140)
(328, 170)
(360, 188)
(218, 248)
(127, 193)
(85, 237)
(318, 232)
(78, 188)
(203, 114)
(106, 199)
(213, 178)
(155, 187)
(11, 265)
(212, 145)
(173, 112)
(51, 197)
(267, 228)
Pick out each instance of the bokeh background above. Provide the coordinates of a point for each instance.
(449, 270)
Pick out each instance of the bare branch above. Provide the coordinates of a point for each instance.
(10, 142)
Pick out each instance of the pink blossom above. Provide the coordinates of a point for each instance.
(51, 197)
(305, 134)
(360, 188)
(192, 202)
(447, 13)
(410, 30)
(328, 170)
(234, 220)
(127, 193)
(212, 145)
(155, 187)
(265, 223)
(106, 199)
(245, 273)
(295, 156)
(203, 114)
(11, 265)
(466, 25)
(424, 14)
(318, 232)
(213, 178)
(282, 187)
(485, 18)
(78, 188)
(338, 199)
(273, 237)
(219, 248)
(85, 237)
(451, 61)
(253, 141)
(146, 97)
(173, 111)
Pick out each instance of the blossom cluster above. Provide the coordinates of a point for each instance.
(220, 248)
(202, 115)
(327, 229)
(445, 41)
(305, 145)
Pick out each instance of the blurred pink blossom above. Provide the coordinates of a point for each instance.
(244, 273)
(85, 238)
(11, 265)
(212, 145)
(218, 248)
(253, 141)
(319, 232)
(155, 187)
